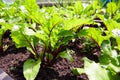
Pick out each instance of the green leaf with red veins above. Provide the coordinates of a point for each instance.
(96, 35)
(75, 23)
(43, 38)
(111, 24)
(19, 39)
(24, 37)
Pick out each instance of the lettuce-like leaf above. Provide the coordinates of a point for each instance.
(31, 69)
(93, 70)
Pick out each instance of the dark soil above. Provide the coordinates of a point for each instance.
(12, 61)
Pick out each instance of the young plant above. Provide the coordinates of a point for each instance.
(112, 8)
(109, 61)
(109, 64)
(24, 37)
(112, 29)
(9, 15)
(4, 32)
(53, 32)
(95, 71)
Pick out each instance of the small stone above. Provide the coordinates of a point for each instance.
(4, 75)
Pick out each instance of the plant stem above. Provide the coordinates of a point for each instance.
(95, 42)
(49, 35)
(34, 50)
(1, 44)
(43, 57)
(56, 53)
(1, 49)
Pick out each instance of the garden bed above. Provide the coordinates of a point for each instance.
(12, 61)
(68, 42)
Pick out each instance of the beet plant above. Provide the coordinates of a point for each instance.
(52, 28)
(107, 38)
(4, 26)
(49, 28)
(4, 30)
(108, 64)
(10, 15)
(109, 59)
